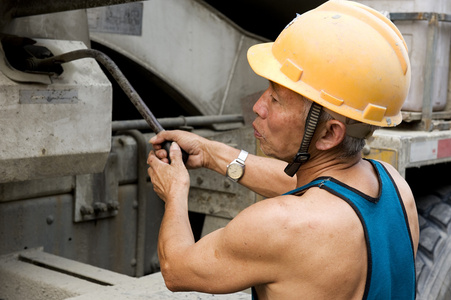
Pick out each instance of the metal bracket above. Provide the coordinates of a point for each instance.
(19, 76)
(96, 195)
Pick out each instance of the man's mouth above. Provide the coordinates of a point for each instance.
(256, 133)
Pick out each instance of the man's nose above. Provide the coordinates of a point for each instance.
(260, 108)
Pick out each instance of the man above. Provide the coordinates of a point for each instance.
(349, 229)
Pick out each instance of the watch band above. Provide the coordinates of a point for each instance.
(237, 163)
(242, 156)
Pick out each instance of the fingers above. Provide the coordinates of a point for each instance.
(156, 142)
(168, 179)
(161, 154)
(154, 163)
(151, 157)
(175, 153)
(189, 142)
(158, 139)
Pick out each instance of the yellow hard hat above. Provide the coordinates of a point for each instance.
(343, 55)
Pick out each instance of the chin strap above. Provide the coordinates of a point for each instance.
(310, 126)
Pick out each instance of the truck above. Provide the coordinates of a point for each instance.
(78, 215)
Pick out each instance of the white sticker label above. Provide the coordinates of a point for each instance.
(420, 151)
(427, 150)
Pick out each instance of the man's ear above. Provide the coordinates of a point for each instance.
(331, 134)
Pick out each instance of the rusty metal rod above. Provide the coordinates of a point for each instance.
(34, 64)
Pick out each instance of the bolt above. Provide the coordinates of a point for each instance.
(50, 219)
(133, 262)
(113, 205)
(100, 207)
(86, 210)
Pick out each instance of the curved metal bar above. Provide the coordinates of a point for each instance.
(35, 64)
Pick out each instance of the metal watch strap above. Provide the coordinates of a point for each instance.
(237, 161)
(242, 156)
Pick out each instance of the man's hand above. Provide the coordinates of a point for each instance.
(170, 182)
(193, 144)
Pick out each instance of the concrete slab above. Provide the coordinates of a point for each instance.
(153, 287)
(36, 275)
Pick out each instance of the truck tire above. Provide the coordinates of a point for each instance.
(433, 261)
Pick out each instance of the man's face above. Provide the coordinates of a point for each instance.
(280, 121)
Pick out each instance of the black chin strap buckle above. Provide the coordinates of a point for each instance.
(301, 157)
(310, 126)
(298, 160)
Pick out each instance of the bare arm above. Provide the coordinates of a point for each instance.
(236, 255)
(247, 252)
(262, 175)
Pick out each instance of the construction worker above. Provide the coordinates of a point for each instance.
(333, 225)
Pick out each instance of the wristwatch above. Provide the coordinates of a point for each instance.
(235, 169)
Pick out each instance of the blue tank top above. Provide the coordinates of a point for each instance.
(391, 262)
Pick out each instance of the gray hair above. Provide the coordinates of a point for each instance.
(350, 146)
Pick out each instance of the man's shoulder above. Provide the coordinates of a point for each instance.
(315, 206)
(299, 224)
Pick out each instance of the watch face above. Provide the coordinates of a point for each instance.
(235, 171)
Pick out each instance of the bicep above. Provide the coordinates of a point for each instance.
(227, 260)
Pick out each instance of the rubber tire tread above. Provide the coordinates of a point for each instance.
(433, 261)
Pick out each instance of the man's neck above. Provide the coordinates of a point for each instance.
(324, 166)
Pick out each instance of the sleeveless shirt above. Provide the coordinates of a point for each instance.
(391, 263)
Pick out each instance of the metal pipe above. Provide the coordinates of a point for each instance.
(142, 200)
(178, 121)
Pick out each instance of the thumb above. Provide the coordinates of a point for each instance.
(175, 153)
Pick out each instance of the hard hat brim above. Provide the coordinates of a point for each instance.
(264, 64)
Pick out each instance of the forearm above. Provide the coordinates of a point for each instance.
(175, 234)
(266, 176)
(263, 175)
